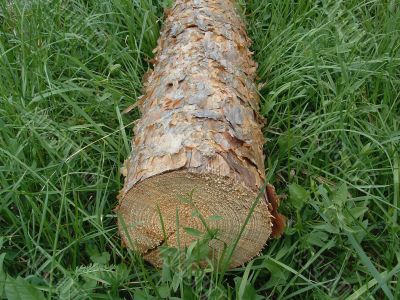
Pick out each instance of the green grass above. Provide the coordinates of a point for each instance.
(332, 99)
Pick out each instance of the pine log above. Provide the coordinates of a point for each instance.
(200, 133)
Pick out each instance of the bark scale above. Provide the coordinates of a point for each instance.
(200, 132)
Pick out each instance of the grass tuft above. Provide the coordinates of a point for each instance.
(329, 73)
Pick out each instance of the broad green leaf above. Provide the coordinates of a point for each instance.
(328, 228)
(277, 273)
(142, 295)
(176, 281)
(193, 231)
(3, 275)
(101, 259)
(188, 293)
(298, 195)
(317, 238)
(357, 212)
(191, 248)
(164, 291)
(339, 197)
(201, 251)
(250, 293)
(20, 289)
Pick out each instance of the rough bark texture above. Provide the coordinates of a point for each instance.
(200, 131)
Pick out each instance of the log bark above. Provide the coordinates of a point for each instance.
(200, 133)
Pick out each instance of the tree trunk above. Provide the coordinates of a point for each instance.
(200, 132)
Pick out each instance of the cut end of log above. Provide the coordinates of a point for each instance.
(222, 202)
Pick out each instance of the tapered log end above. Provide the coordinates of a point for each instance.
(222, 202)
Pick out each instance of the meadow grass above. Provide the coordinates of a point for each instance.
(329, 74)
